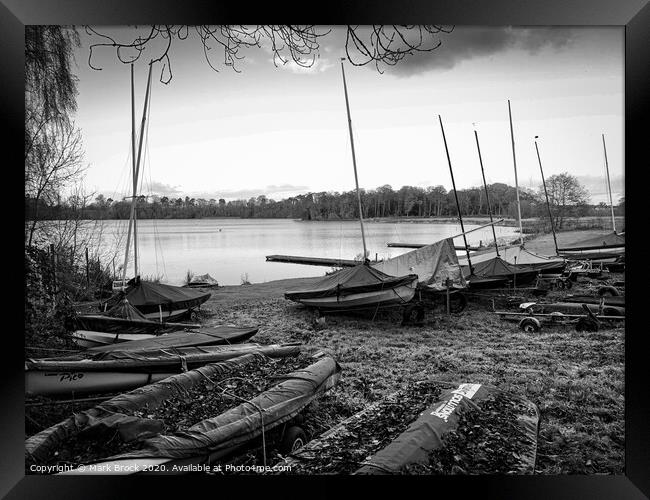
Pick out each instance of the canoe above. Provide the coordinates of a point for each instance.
(218, 437)
(103, 341)
(123, 370)
(43, 444)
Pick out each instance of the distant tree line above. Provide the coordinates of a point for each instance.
(567, 198)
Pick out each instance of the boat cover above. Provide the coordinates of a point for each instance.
(215, 335)
(611, 240)
(162, 360)
(243, 423)
(433, 264)
(203, 280)
(358, 279)
(516, 255)
(112, 413)
(497, 268)
(122, 318)
(147, 297)
(427, 433)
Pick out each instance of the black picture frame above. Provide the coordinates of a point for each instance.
(634, 15)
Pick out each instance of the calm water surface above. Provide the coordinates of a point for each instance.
(229, 249)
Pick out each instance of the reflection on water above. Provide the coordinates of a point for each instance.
(230, 248)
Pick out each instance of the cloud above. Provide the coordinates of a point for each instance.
(161, 189)
(271, 191)
(465, 43)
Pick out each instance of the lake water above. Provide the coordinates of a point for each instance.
(229, 249)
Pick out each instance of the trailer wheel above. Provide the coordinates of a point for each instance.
(457, 302)
(294, 438)
(413, 314)
(586, 325)
(560, 284)
(568, 284)
(608, 291)
(611, 311)
(530, 325)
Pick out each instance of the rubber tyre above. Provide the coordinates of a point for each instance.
(586, 325)
(608, 291)
(560, 285)
(568, 284)
(611, 311)
(530, 325)
(457, 303)
(294, 438)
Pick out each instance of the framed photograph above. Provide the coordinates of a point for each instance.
(327, 256)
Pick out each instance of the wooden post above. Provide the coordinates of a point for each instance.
(87, 270)
(53, 263)
(448, 300)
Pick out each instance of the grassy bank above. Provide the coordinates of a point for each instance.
(576, 379)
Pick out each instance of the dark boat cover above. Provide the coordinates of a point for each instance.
(497, 268)
(427, 433)
(611, 240)
(156, 361)
(146, 297)
(216, 335)
(114, 412)
(358, 279)
(243, 423)
(123, 318)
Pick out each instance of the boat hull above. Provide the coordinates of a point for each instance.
(89, 338)
(57, 383)
(391, 296)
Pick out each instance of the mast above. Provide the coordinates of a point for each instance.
(136, 172)
(548, 205)
(487, 195)
(354, 161)
(609, 185)
(514, 160)
(135, 178)
(453, 182)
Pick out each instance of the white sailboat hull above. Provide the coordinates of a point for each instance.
(66, 382)
(87, 338)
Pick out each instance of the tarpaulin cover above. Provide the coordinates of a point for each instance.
(243, 423)
(216, 335)
(203, 279)
(427, 433)
(498, 268)
(611, 240)
(111, 412)
(433, 264)
(516, 255)
(123, 318)
(147, 297)
(162, 360)
(351, 280)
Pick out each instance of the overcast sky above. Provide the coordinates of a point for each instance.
(282, 131)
